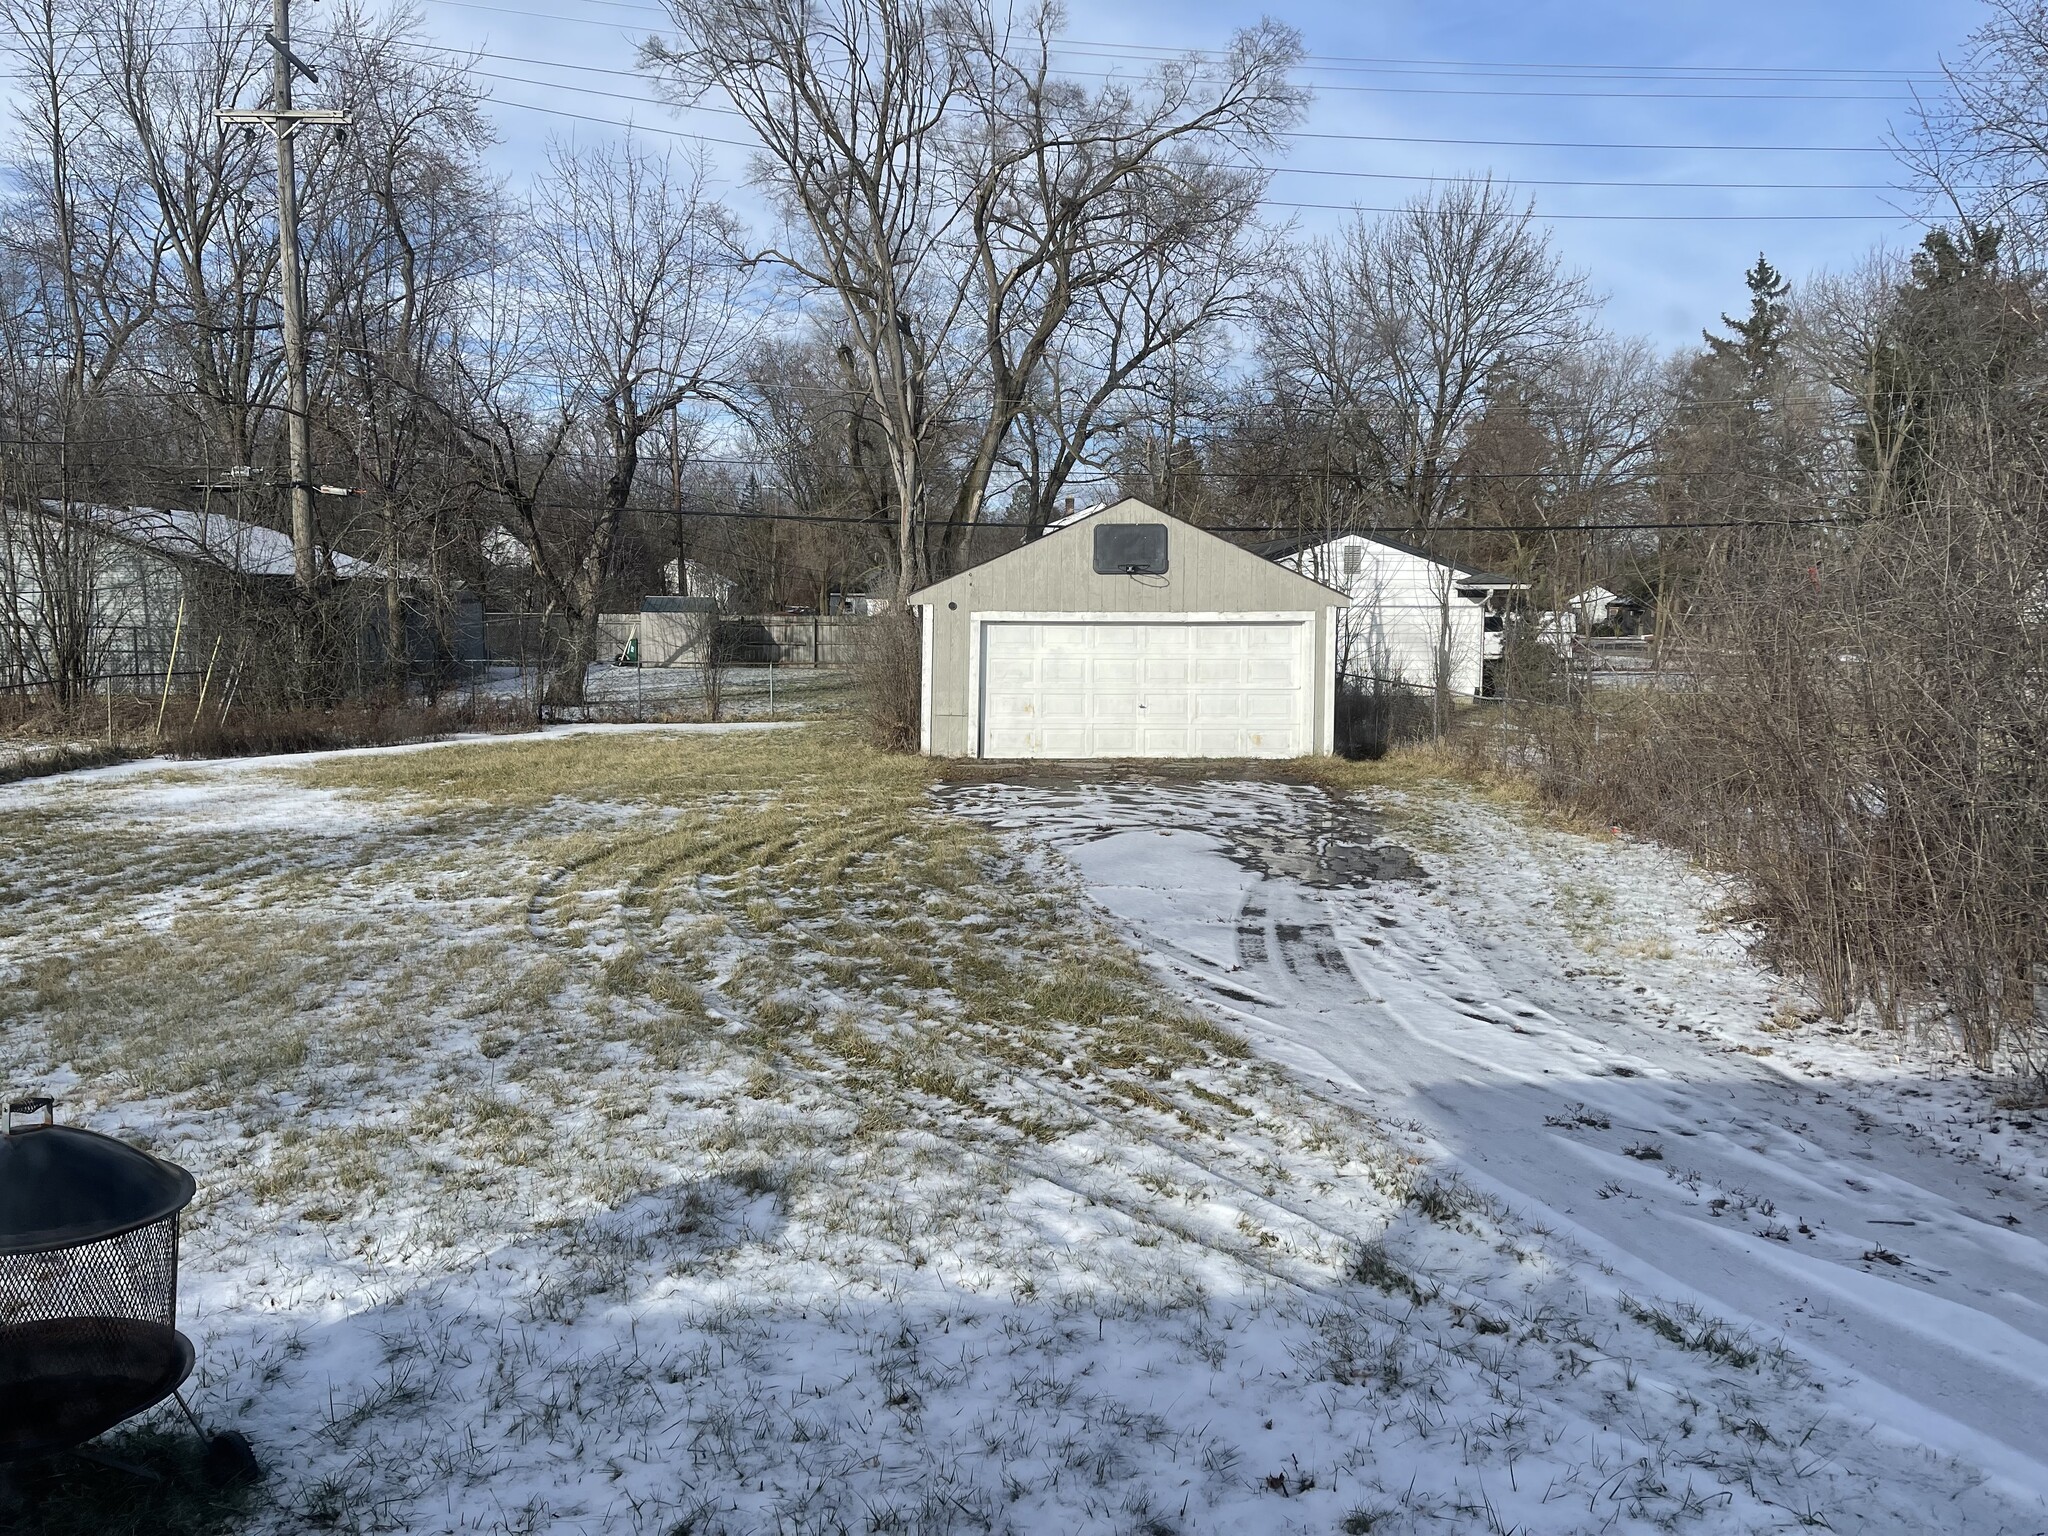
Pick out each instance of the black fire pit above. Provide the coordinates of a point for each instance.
(88, 1282)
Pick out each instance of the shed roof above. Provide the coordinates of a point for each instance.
(211, 538)
(938, 590)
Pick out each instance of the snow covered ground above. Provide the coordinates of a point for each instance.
(1564, 1020)
(698, 1131)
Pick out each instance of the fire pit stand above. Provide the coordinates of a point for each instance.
(88, 1286)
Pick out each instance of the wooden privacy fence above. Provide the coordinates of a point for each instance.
(796, 639)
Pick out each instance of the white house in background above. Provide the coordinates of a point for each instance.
(504, 549)
(693, 578)
(1593, 607)
(1412, 618)
(145, 590)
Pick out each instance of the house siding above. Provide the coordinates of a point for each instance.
(135, 600)
(1056, 575)
(1402, 607)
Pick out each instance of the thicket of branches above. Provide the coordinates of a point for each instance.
(983, 288)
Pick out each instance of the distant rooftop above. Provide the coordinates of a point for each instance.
(212, 538)
(1281, 549)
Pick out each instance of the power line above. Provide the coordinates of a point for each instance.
(1678, 218)
(1369, 138)
(1349, 63)
(1282, 170)
(887, 520)
(1578, 95)
(1595, 70)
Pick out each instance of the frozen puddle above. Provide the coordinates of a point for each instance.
(1914, 1276)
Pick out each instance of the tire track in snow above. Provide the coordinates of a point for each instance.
(1717, 1179)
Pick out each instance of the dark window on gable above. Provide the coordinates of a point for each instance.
(1130, 549)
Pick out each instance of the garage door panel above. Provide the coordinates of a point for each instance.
(1157, 688)
(1166, 741)
(1218, 639)
(1007, 674)
(1060, 741)
(1102, 640)
(1108, 742)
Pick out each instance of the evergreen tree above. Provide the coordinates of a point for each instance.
(1757, 341)
(1964, 336)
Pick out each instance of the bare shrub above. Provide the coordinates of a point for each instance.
(1863, 751)
(261, 732)
(1374, 716)
(889, 670)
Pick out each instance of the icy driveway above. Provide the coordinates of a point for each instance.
(1541, 1006)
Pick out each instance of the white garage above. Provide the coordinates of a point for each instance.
(1172, 643)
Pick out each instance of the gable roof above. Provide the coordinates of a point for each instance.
(1282, 549)
(1072, 528)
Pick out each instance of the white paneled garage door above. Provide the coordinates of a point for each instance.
(1136, 687)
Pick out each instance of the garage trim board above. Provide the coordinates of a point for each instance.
(1224, 684)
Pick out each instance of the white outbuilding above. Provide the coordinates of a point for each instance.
(1409, 619)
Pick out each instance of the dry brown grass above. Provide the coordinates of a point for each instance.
(387, 1020)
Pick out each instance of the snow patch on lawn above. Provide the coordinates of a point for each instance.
(540, 1195)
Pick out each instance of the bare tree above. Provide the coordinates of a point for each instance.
(628, 305)
(1395, 331)
(394, 263)
(1137, 353)
(1979, 147)
(1096, 210)
(162, 75)
(958, 201)
(849, 99)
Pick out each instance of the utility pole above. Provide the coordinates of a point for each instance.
(284, 123)
(675, 490)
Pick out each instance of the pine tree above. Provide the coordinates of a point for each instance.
(1962, 331)
(1757, 341)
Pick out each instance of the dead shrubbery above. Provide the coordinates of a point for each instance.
(1375, 716)
(259, 733)
(889, 670)
(1864, 748)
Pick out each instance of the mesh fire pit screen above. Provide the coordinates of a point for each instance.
(88, 1282)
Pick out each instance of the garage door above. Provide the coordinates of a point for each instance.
(1143, 688)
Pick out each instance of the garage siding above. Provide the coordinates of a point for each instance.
(1055, 577)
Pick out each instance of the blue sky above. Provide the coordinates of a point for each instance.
(1593, 72)
(1580, 74)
